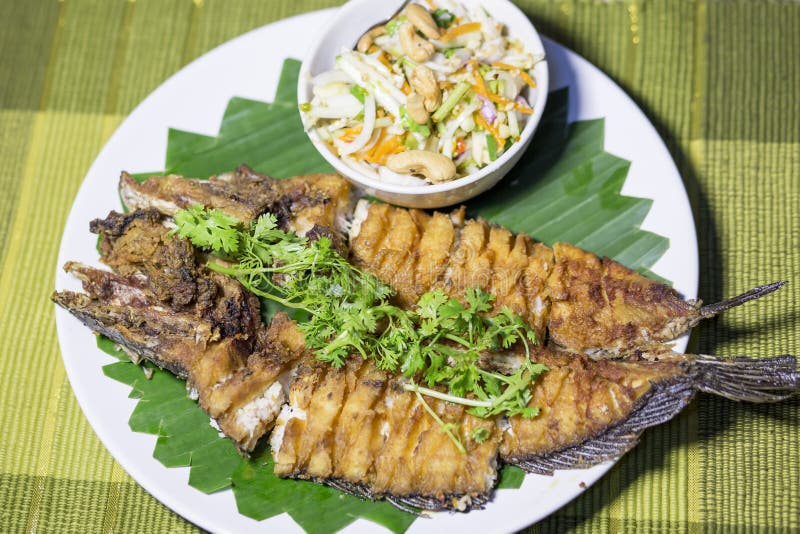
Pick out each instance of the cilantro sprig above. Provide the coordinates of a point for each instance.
(437, 345)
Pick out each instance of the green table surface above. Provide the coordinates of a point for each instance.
(719, 80)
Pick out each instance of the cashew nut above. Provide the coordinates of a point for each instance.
(435, 167)
(415, 46)
(366, 40)
(423, 80)
(415, 106)
(421, 18)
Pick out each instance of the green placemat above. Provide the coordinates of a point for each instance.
(720, 81)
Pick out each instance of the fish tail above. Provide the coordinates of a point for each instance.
(663, 403)
(756, 293)
(748, 379)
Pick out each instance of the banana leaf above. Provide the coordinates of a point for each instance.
(565, 188)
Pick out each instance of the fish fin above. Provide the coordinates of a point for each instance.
(711, 310)
(748, 379)
(414, 504)
(345, 486)
(464, 503)
(664, 402)
(401, 505)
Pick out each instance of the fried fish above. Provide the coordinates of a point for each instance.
(579, 302)
(360, 429)
(583, 303)
(357, 429)
(162, 305)
(595, 410)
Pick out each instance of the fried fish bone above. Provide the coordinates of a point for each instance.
(163, 306)
(301, 203)
(586, 304)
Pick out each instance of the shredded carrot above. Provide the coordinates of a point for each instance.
(385, 60)
(406, 88)
(350, 134)
(516, 70)
(480, 85)
(497, 99)
(483, 123)
(431, 4)
(461, 146)
(381, 151)
(480, 88)
(452, 33)
(516, 105)
(365, 153)
(523, 109)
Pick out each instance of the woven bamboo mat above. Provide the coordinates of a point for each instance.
(721, 82)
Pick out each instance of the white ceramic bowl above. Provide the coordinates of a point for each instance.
(344, 30)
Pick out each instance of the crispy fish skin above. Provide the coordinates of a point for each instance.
(599, 304)
(162, 305)
(595, 410)
(242, 194)
(579, 398)
(585, 304)
(153, 333)
(301, 203)
(357, 429)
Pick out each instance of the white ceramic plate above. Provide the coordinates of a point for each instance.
(194, 99)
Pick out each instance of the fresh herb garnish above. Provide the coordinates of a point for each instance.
(359, 92)
(411, 125)
(213, 229)
(480, 434)
(491, 146)
(450, 102)
(438, 344)
(443, 18)
(393, 26)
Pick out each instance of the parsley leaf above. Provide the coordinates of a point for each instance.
(480, 434)
(212, 229)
